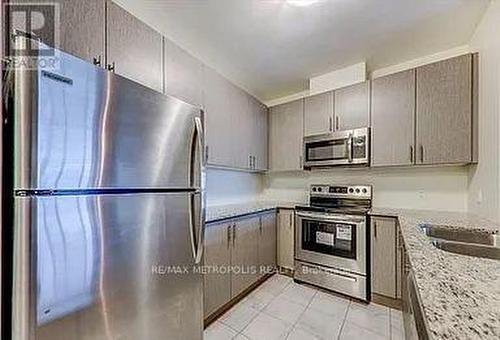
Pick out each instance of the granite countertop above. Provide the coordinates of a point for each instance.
(460, 295)
(225, 211)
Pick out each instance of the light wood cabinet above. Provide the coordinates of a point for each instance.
(384, 256)
(220, 143)
(183, 74)
(444, 112)
(81, 28)
(286, 238)
(259, 137)
(241, 246)
(286, 136)
(217, 255)
(318, 114)
(134, 50)
(393, 119)
(244, 254)
(352, 107)
(267, 243)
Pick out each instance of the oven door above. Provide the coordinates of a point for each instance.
(338, 148)
(333, 240)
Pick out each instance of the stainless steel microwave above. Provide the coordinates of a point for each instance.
(349, 147)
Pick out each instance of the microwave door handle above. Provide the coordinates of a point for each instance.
(349, 148)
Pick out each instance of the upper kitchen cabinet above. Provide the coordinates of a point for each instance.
(236, 125)
(81, 28)
(183, 74)
(352, 107)
(393, 119)
(444, 112)
(133, 50)
(318, 114)
(286, 136)
(259, 138)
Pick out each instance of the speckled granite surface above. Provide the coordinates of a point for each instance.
(219, 212)
(460, 294)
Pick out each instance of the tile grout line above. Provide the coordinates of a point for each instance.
(260, 311)
(345, 319)
(305, 309)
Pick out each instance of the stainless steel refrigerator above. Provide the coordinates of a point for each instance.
(108, 207)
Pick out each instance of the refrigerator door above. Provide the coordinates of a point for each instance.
(97, 267)
(80, 126)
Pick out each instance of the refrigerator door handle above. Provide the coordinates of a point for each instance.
(197, 236)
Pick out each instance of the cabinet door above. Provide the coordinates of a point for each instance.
(81, 27)
(444, 111)
(219, 121)
(244, 255)
(217, 253)
(383, 238)
(393, 119)
(318, 114)
(133, 47)
(286, 136)
(352, 107)
(286, 238)
(183, 74)
(259, 139)
(267, 243)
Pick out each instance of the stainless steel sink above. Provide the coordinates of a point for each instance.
(464, 242)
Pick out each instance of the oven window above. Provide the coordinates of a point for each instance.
(338, 239)
(325, 151)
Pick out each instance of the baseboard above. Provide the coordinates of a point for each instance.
(218, 313)
(387, 301)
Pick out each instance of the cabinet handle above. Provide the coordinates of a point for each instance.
(330, 122)
(254, 162)
(260, 225)
(234, 233)
(228, 236)
(375, 229)
(111, 67)
(249, 161)
(411, 153)
(337, 123)
(97, 60)
(421, 153)
(206, 153)
(291, 219)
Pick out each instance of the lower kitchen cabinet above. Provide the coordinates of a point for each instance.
(384, 254)
(244, 254)
(286, 238)
(234, 252)
(217, 257)
(267, 243)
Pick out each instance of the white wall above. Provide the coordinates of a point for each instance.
(226, 186)
(412, 188)
(484, 186)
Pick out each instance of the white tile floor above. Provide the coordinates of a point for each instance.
(282, 309)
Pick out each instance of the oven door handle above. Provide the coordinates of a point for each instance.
(327, 218)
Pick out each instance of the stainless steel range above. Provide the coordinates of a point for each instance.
(331, 239)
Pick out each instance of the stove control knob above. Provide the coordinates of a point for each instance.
(357, 191)
(364, 191)
(351, 190)
(314, 189)
(320, 189)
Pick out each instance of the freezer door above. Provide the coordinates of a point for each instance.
(105, 267)
(80, 126)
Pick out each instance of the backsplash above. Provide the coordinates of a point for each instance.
(442, 188)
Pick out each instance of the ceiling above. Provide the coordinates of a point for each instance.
(271, 48)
